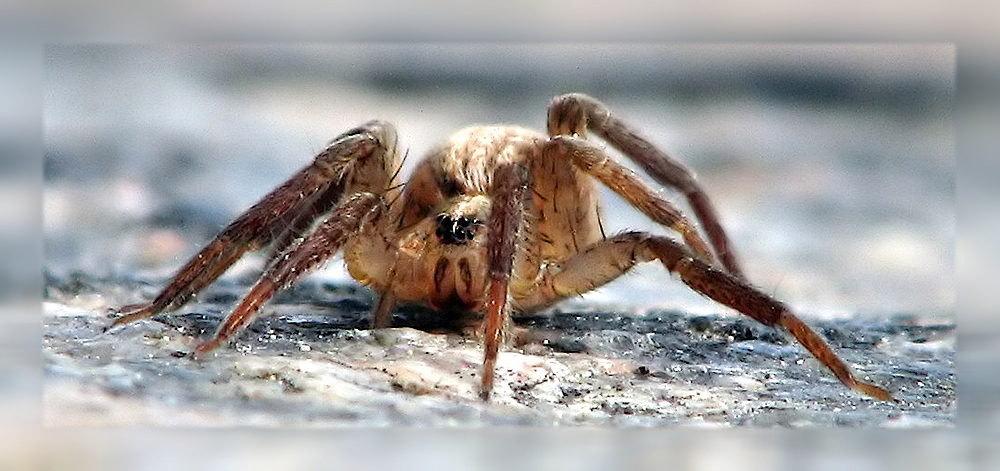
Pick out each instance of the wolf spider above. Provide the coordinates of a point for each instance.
(498, 218)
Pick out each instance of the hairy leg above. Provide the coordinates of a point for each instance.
(575, 113)
(610, 258)
(349, 218)
(362, 157)
(594, 161)
(506, 219)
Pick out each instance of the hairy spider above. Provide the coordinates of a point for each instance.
(498, 218)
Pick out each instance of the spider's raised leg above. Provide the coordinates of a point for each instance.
(284, 213)
(592, 160)
(575, 113)
(607, 259)
(349, 218)
(506, 218)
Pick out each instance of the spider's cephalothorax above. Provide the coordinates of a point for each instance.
(497, 218)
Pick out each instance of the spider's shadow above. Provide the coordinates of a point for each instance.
(310, 312)
(317, 312)
(309, 321)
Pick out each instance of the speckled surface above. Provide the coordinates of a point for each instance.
(312, 361)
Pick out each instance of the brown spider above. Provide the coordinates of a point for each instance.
(498, 218)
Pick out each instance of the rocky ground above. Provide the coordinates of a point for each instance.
(312, 361)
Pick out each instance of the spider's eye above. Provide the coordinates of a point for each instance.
(455, 230)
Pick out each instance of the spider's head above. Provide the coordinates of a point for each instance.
(443, 257)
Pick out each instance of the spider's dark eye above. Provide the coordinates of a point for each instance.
(455, 230)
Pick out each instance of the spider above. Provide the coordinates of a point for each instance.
(498, 218)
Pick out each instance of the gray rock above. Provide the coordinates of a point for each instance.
(303, 365)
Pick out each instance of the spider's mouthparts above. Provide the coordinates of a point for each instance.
(451, 230)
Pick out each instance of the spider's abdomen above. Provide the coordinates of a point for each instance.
(467, 162)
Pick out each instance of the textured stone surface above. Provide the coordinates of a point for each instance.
(311, 362)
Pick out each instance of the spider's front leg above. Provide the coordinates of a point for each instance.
(607, 259)
(362, 158)
(510, 182)
(573, 114)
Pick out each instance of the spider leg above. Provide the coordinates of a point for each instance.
(607, 259)
(382, 316)
(623, 181)
(249, 232)
(575, 113)
(506, 218)
(280, 216)
(348, 219)
(298, 224)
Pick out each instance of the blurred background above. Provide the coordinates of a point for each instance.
(832, 166)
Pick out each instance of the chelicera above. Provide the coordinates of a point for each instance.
(496, 219)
